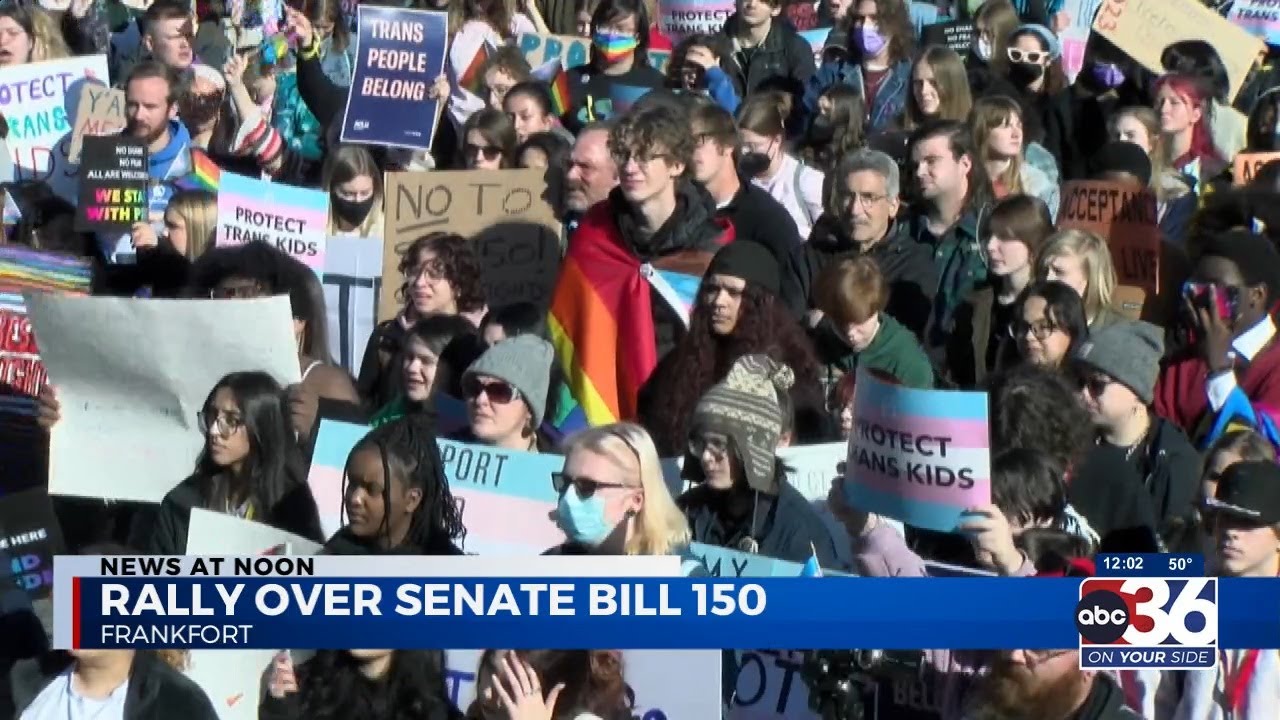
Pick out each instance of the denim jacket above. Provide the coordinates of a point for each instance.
(890, 102)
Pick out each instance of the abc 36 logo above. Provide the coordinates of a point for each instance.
(1146, 612)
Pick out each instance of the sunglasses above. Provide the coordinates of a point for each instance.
(488, 151)
(498, 392)
(584, 486)
(1030, 56)
(1095, 385)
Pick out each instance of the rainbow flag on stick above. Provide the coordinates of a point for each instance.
(472, 79)
(554, 74)
(205, 174)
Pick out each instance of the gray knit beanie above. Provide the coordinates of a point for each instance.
(1129, 351)
(744, 406)
(524, 361)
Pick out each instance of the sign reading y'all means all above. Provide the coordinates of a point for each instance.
(99, 112)
(400, 54)
(292, 219)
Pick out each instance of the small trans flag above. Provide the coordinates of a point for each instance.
(811, 567)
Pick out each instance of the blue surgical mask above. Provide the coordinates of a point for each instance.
(582, 519)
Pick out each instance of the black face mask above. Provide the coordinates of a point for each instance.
(753, 164)
(1023, 74)
(821, 131)
(351, 211)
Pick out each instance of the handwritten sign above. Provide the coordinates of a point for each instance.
(1124, 214)
(113, 184)
(539, 50)
(399, 55)
(1247, 165)
(919, 456)
(1144, 28)
(100, 112)
(38, 101)
(293, 219)
(679, 18)
(506, 496)
(504, 212)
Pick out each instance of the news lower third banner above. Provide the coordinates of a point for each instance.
(574, 602)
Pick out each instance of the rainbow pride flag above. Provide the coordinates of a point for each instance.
(601, 318)
(554, 74)
(472, 79)
(205, 174)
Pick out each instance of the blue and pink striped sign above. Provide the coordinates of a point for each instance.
(919, 456)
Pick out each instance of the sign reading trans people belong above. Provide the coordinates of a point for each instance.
(919, 456)
(400, 54)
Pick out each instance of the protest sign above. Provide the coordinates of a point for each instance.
(570, 50)
(22, 443)
(723, 562)
(352, 278)
(1144, 28)
(99, 112)
(811, 470)
(506, 215)
(39, 100)
(658, 60)
(109, 400)
(919, 456)
(292, 219)
(667, 683)
(957, 35)
(113, 184)
(1075, 36)
(29, 538)
(217, 533)
(232, 679)
(506, 496)
(681, 18)
(1247, 165)
(1259, 18)
(399, 55)
(1125, 216)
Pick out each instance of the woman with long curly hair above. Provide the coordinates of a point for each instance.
(552, 684)
(360, 685)
(737, 313)
(441, 276)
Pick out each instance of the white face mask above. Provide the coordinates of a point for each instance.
(983, 49)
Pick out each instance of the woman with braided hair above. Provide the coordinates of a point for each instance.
(395, 495)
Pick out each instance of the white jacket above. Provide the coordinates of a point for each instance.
(1198, 694)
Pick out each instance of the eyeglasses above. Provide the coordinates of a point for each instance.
(1095, 385)
(622, 157)
(432, 270)
(221, 424)
(498, 392)
(864, 200)
(1030, 56)
(1040, 330)
(584, 486)
(489, 152)
(717, 446)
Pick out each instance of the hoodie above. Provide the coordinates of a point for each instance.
(895, 351)
(164, 166)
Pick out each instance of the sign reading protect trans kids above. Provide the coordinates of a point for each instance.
(1147, 622)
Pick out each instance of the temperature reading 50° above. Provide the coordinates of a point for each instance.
(1179, 564)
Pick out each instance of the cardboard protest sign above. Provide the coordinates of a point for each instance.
(352, 279)
(919, 456)
(680, 18)
(1260, 18)
(216, 533)
(1125, 215)
(293, 219)
(957, 35)
(100, 112)
(570, 50)
(1144, 28)
(22, 374)
(113, 184)
(39, 101)
(504, 212)
(506, 496)
(724, 562)
(1247, 166)
(90, 347)
(667, 683)
(400, 53)
(29, 538)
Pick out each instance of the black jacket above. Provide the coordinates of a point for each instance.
(757, 217)
(1171, 474)
(784, 60)
(1105, 702)
(1109, 494)
(907, 265)
(163, 531)
(156, 691)
(379, 381)
(786, 525)
(344, 542)
(290, 706)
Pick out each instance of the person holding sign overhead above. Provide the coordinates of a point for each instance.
(741, 498)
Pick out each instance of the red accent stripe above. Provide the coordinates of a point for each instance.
(75, 613)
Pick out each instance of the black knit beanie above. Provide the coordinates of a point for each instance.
(750, 261)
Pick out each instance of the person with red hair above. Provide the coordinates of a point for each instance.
(1183, 104)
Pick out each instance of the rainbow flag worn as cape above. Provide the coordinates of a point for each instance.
(601, 317)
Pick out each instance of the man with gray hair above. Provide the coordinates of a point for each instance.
(860, 219)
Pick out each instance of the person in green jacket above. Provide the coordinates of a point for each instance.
(854, 294)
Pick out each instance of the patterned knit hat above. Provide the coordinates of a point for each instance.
(744, 406)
